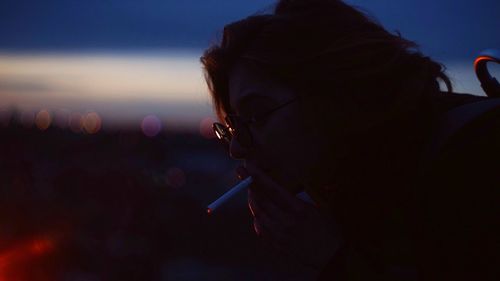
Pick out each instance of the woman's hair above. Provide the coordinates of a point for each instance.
(330, 51)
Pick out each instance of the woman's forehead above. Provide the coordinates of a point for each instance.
(247, 83)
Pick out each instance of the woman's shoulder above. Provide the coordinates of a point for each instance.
(474, 144)
(446, 101)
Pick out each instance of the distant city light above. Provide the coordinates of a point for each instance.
(206, 128)
(92, 123)
(151, 125)
(43, 120)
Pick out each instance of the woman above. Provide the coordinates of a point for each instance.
(318, 97)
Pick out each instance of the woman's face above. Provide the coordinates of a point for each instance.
(285, 145)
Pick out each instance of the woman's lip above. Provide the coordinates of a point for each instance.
(242, 171)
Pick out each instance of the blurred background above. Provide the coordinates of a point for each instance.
(107, 158)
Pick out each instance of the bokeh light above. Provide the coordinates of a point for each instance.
(175, 177)
(27, 118)
(41, 246)
(76, 122)
(151, 125)
(206, 128)
(92, 123)
(15, 259)
(61, 118)
(43, 120)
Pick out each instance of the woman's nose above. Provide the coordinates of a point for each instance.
(236, 150)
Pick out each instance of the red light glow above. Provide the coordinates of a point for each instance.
(481, 58)
(14, 260)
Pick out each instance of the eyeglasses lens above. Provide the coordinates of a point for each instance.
(226, 133)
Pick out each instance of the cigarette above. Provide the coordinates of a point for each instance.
(229, 194)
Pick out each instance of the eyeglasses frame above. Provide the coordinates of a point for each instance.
(225, 133)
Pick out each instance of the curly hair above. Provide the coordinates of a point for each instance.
(329, 49)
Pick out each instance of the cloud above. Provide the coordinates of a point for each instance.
(24, 86)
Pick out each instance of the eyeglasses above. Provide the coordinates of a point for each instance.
(238, 126)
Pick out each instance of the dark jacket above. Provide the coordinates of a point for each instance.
(402, 220)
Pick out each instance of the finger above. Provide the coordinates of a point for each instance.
(261, 205)
(269, 233)
(257, 227)
(262, 227)
(275, 224)
(252, 204)
(264, 235)
(281, 217)
(273, 190)
(271, 239)
(270, 236)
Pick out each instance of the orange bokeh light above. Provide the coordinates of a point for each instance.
(43, 120)
(92, 123)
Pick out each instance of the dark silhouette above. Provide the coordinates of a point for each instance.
(358, 141)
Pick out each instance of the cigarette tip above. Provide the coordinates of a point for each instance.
(209, 210)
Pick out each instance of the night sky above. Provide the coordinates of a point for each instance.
(446, 29)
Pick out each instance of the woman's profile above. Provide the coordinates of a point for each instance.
(318, 97)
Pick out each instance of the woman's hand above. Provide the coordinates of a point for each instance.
(288, 224)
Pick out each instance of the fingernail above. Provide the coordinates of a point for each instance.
(241, 172)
